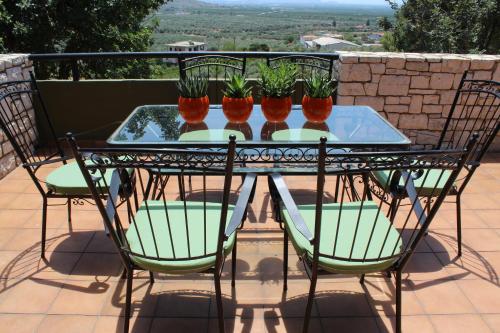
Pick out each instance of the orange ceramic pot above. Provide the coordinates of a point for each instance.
(237, 110)
(317, 110)
(193, 110)
(276, 109)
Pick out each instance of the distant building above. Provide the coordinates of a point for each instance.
(331, 44)
(186, 46)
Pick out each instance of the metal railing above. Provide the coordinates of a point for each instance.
(301, 58)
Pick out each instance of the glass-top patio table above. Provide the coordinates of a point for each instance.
(346, 127)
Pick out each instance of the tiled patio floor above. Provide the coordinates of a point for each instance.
(79, 288)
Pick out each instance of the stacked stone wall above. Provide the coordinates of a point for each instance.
(13, 67)
(414, 91)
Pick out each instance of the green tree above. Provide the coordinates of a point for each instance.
(384, 23)
(454, 26)
(367, 23)
(334, 23)
(41, 26)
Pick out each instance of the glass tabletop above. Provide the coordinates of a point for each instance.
(151, 125)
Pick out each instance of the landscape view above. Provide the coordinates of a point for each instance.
(264, 25)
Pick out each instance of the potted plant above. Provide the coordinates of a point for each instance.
(277, 87)
(237, 103)
(193, 100)
(317, 101)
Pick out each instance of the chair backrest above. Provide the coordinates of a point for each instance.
(366, 230)
(476, 108)
(21, 124)
(216, 68)
(158, 215)
(306, 66)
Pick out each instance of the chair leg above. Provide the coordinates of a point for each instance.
(285, 260)
(151, 277)
(44, 226)
(307, 317)
(233, 261)
(182, 193)
(398, 301)
(362, 279)
(69, 210)
(459, 226)
(128, 300)
(218, 295)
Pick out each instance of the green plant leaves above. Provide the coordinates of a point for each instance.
(319, 86)
(237, 87)
(279, 81)
(193, 87)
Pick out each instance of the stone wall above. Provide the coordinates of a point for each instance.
(12, 67)
(413, 90)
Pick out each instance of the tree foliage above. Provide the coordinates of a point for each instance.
(452, 26)
(384, 23)
(49, 26)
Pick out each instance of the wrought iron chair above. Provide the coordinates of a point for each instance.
(163, 235)
(21, 126)
(360, 237)
(216, 68)
(306, 66)
(476, 108)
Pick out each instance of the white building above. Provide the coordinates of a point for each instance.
(332, 44)
(187, 46)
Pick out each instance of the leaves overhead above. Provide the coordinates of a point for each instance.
(41, 26)
(451, 26)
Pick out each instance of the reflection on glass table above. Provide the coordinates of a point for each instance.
(162, 125)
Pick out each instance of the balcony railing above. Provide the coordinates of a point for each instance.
(310, 60)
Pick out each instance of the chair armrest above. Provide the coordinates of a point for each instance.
(37, 164)
(291, 207)
(241, 204)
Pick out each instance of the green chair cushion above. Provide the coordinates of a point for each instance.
(431, 177)
(211, 135)
(302, 134)
(176, 238)
(350, 211)
(68, 180)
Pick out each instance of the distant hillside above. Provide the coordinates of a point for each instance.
(301, 4)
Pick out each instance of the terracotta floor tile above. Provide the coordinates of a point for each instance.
(381, 294)
(459, 323)
(83, 259)
(67, 324)
(484, 295)
(472, 265)
(342, 299)
(179, 325)
(29, 296)
(111, 324)
(144, 298)
(443, 297)
(97, 266)
(28, 264)
(65, 241)
(493, 321)
(15, 218)
(184, 299)
(359, 324)
(410, 324)
(82, 298)
(20, 323)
